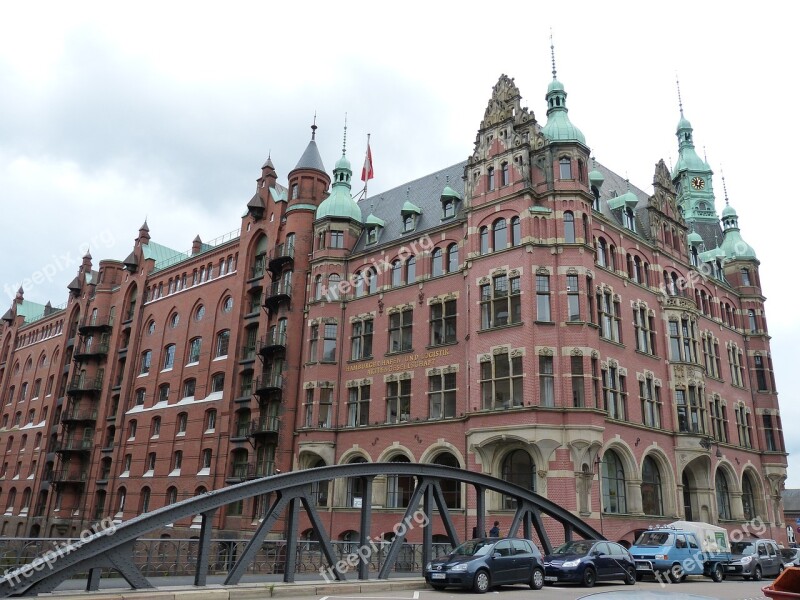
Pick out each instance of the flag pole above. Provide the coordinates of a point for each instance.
(366, 181)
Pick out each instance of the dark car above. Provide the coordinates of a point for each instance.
(484, 563)
(589, 561)
(790, 557)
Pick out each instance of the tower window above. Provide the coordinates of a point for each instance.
(565, 168)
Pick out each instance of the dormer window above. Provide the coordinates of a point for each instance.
(448, 209)
(372, 235)
(628, 219)
(409, 222)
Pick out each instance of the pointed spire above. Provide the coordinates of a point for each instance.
(558, 127)
(20, 295)
(314, 127)
(680, 101)
(344, 140)
(552, 54)
(311, 158)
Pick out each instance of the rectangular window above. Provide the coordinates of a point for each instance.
(325, 407)
(442, 396)
(769, 433)
(443, 323)
(194, 350)
(309, 406)
(578, 387)
(650, 397)
(361, 342)
(761, 374)
(573, 299)
(222, 343)
(645, 331)
(614, 396)
(400, 330)
(500, 302)
(398, 401)
(147, 356)
(543, 298)
(719, 426)
(313, 343)
(188, 388)
(337, 239)
(329, 342)
(546, 383)
(358, 406)
(609, 317)
(169, 356)
(501, 382)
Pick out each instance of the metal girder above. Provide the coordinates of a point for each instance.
(112, 548)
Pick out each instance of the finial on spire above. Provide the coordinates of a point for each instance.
(724, 187)
(552, 53)
(627, 183)
(344, 141)
(705, 158)
(680, 101)
(594, 162)
(314, 127)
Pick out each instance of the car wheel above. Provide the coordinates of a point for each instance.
(537, 579)
(630, 576)
(438, 586)
(717, 574)
(481, 584)
(676, 574)
(757, 575)
(780, 572)
(589, 577)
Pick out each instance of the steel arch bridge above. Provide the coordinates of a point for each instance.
(112, 548)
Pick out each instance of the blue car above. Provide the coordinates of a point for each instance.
(589, 561)
(484, 563)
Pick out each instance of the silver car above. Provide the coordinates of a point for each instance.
(755, 559)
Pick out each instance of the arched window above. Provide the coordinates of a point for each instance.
(518, 467)
(748, 498)
(723, 496)
(318, 287)
(499, 235)
(652, 497)
(319, 489)
(397, 273)
(504, 174)
(355, 486)
(569, 228)
(490, 177)
(516, 231)
(437, 266)
(602, 252)
(614, 496)
(144, 500)
(411, 269)
(399, 487)
(451, 489)
(452, 258)
(358, 284)
(371, 283)
(484, 240)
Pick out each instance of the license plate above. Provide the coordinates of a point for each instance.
(551, 578)
(642, 568)
(438, 576)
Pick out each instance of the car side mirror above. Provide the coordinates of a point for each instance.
(597, 553)
(496, 555)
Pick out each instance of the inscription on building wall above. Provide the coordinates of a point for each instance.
(399, 363)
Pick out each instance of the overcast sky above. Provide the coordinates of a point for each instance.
(109, 116)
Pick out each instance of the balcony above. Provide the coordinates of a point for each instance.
(241, 431)
(244, 471)
(93, 350)
(70, 476)
(277, 293)
(74, 445)
(85, 384)
(268, 384)
(79, 414)
(264, 426)
(96, 324)
(258, 269)
(274, 341)
(281, 255)
(248, 353)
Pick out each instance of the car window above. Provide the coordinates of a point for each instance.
(762, 551)
(504, 548)
(692, 542)
(788, 553)
(602, 548)
(743, 548)
(616, 549)
(580, 547)
(680, 541)
(521, 547)
(771, 549)
(654, 538)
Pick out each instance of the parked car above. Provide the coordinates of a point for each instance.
(680, 549)
(484, 563)
(589, 561)
(790, 557)
(755, 558)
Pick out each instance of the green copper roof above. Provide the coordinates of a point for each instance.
(410, 207)
(627, 199)
(161, 254)
(596, 178)
(733, 244)
(688, 160)
(728, 212)
(559, 128)
(694, 239)
(29, 310)
(340, 204)
(373, 220)
(449, 192)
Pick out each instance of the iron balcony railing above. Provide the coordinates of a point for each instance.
(80, 384)
(74, 445)
(280, 255)
(274, 340)
(96, 322)
(70, 475)
(267, 383)
(264, 425)
(79, 414)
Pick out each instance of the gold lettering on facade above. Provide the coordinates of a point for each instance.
(399, 363)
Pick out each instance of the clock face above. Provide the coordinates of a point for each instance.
(698, 183)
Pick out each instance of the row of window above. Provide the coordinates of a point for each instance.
(34, 336)
(193, 352)
(198, 276)
(188, 389)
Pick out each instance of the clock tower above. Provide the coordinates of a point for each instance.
(692, 178)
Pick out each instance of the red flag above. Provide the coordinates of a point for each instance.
(366, 171)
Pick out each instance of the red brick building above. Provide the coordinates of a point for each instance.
(527, 314)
